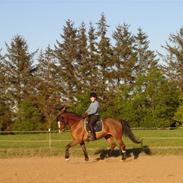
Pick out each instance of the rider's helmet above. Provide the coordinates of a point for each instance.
(93, 94)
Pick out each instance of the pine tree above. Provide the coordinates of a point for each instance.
(174, 66)
(5, 112)
(125, 59)
(83, 60)
(2, 77)
(145, 57)
(145, 64)
(174, 58)
(146, 60)
(93, 59)
(28, 117)
(105, 53)
(66, 54)
(19, 66)
(48, 86)
(161, 100)
(87, 67)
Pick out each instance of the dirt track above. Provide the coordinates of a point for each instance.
(145, 169)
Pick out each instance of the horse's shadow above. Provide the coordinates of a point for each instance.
(132, 152)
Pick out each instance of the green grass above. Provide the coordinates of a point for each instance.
(157, 141)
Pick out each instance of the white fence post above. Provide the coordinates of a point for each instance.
(49, 137)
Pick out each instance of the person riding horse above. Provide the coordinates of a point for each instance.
(93, 115)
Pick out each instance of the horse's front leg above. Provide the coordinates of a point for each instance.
(68, 146)
(84, 151)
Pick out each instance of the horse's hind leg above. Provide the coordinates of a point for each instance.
(110, 140)
(122, 148)
(84, 151)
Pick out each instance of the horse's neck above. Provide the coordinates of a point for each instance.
(73, 123)
(72, 119)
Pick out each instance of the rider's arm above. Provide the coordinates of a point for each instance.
(93, 108)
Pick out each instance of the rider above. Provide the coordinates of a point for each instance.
(93, 114)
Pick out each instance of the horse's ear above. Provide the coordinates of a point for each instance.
(63, 109)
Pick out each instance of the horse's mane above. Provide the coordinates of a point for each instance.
(73, 116)
(70, 115)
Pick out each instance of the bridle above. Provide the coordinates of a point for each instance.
(63, 122)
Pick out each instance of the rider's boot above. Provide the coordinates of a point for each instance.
(92, 135)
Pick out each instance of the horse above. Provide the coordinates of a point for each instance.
(112, 131)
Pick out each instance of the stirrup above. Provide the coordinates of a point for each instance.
(92, 138)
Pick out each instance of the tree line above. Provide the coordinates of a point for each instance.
(132, 81)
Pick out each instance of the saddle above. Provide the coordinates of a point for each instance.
(98, 125)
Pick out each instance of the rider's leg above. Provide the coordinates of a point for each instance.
(92, 121)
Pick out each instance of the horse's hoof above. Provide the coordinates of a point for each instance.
(86, 159)
(123, 159)
(67, 159)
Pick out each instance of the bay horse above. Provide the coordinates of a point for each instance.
(112, 130)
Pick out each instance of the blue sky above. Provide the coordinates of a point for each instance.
(41, 21)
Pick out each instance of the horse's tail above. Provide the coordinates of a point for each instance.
(128, 132)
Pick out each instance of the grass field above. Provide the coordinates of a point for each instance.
(44, 144)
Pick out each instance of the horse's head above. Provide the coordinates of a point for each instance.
(67, 118)
(61, 119)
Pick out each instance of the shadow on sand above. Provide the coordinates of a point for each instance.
(135, 152)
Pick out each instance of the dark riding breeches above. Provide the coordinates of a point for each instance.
(92, 119)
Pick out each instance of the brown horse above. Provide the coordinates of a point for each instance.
(112, 130)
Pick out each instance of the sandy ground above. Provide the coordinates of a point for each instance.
(144, 169)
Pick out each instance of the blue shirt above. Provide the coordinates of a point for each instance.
(94, 108)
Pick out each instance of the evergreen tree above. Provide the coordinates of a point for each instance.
(66, 54)
(28, 117)
(105, 53)
(83, 60)
(145, 64)
(151, 106)
(125, 57)
(48, 90)
(5, 112)
(19, 66)
(174, 58)
(93, 59)
(87, 67)
(179, 113)
(173, 68)
(146, 59)
(161, 100)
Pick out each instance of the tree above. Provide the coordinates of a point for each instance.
(19, 66)
(66, 54)
(48, 90)
(161, 100)
(125, 57)
(104, 58)
(93, 76)
(146, 59)
(82, 63)
(5, 112)
(174, 58)
(173, 68)
(179, 113)
(28, 118)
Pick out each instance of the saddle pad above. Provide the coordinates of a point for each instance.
(97, 127)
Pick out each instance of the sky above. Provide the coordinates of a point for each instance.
(41, 22)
